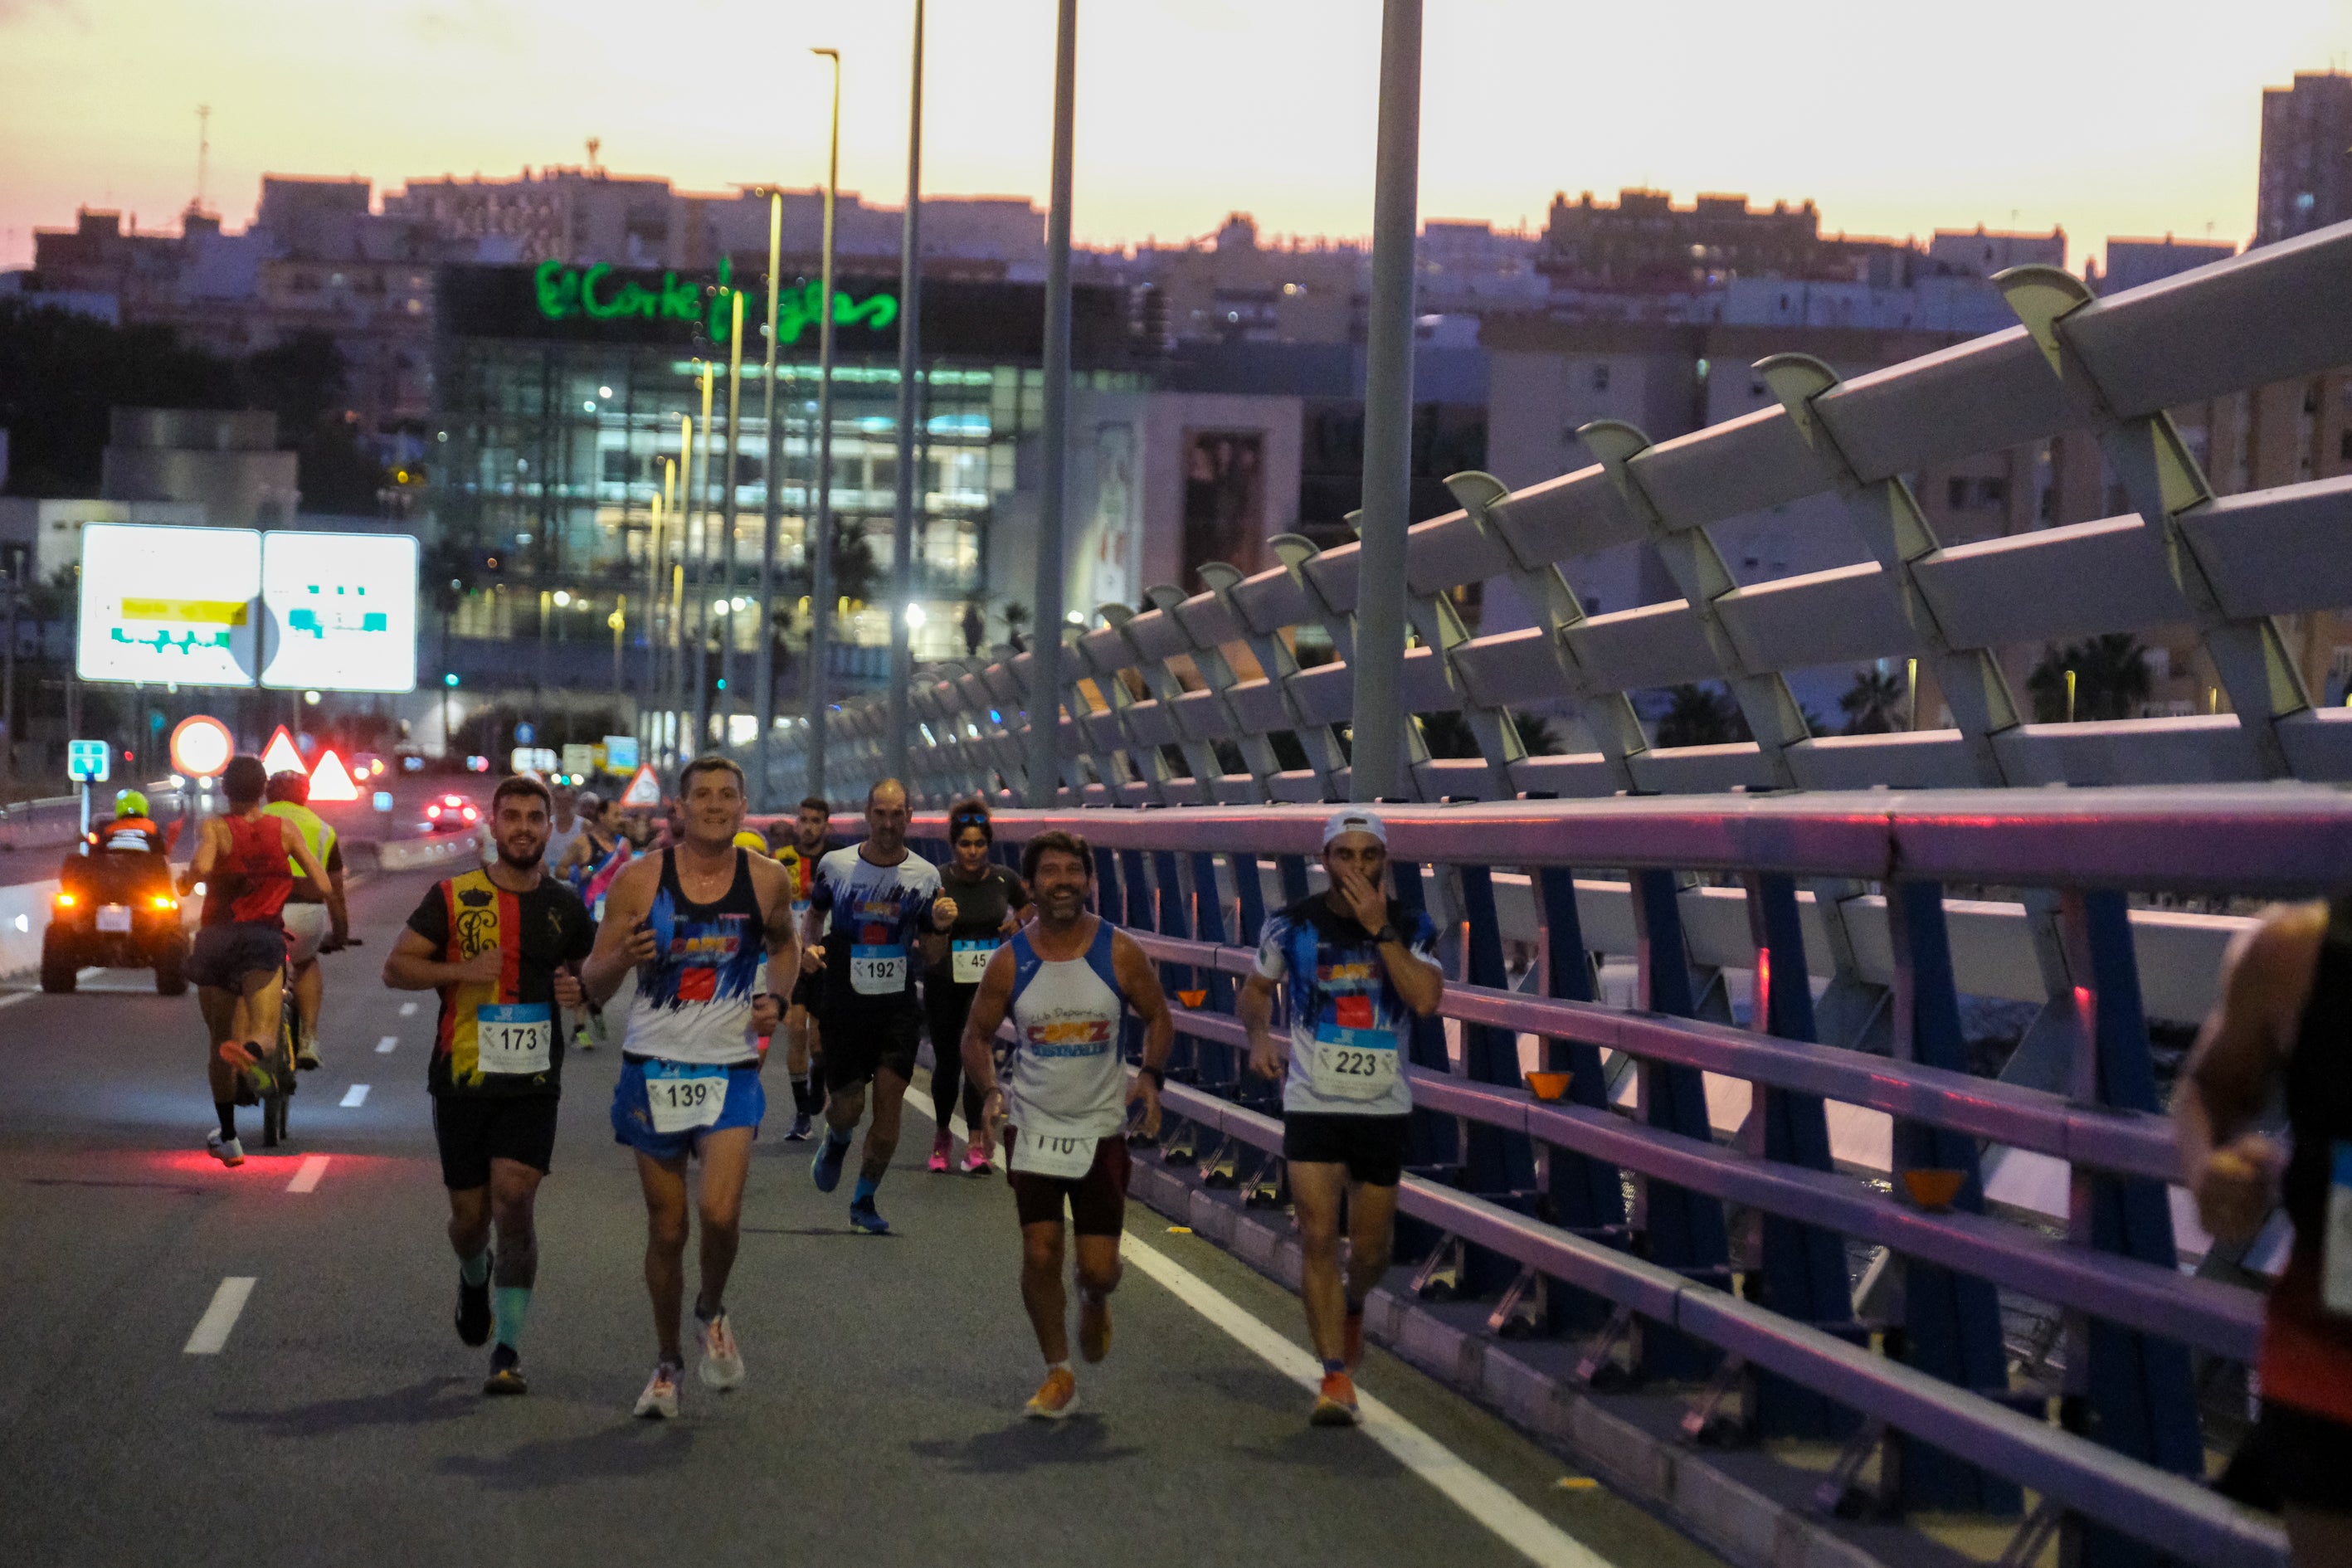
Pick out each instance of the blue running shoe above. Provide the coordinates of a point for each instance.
(865, 1218)
(826, 1169)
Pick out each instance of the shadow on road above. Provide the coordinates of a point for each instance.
(816, 1230)
(434, 1399)
(614, 1453)
(1083, 1439)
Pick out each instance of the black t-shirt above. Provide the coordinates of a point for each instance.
(538, 931)
(980, 908)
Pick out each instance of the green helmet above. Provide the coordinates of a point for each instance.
(130, 803)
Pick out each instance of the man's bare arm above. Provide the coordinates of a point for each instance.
(1254, 1008)
(624, 940)
(2229, 1077)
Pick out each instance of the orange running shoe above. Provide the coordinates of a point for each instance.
(1335, 1403)
(1056, 1397)
(1351, 1347)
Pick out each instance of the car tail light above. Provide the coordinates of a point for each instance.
(65, 900)
(162, 902)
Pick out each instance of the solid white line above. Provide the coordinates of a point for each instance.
(355, 1095)
(383, 1047)
(307, 1175)
(408, 1009)
(10, 1001)
(212, 1329)
(1514, 1522)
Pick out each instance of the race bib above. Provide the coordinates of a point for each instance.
(877, 971)
(684, 1097)
(970, 961)
(1064, 1158)
(1352, 1064)
(800, 908)
(2335, 1245)
(515, 1037)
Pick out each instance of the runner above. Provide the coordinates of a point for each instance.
(812, 839)
(988, 901)
(571, 813)
(238, 959)
(1068, 979)
(2286, 1005)
(595, 858)
(879, 897)
(503, 947)
(1357, 963)
(317, 919)
(693, 919)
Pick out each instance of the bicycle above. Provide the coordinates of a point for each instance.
(283, 1083)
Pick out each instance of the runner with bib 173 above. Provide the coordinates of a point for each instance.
(694, 921)
(1359, 966)
(1068, 978)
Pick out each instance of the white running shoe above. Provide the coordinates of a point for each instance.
(659, 1401)
(227, 1151)
(722, 1358)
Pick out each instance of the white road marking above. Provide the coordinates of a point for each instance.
(92, 973)
(307, 1175)
(10, 1001)
(1515, 1524)
(383, 1047)
(408, 1009)
(212, 1329)
(354, 1096)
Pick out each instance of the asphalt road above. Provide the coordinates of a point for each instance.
(339, 1421)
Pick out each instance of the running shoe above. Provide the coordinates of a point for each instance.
(940, 1146)
(506, 1372)
(976, 1161)
(799, 1131)
(246, 1057)
(306, 1056)
(474, 1312)
(1335, 1403)
(1351, 1345)
(722, 1358)
(1056, 1397)
(826, 1168)
(1093, 1325)
(659, 1401)
(580, 1040)
(865, 1218)
(227, 1151)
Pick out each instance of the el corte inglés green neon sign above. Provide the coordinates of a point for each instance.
(587, 293)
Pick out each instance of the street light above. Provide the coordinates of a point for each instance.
(821, 570)
(910, 315)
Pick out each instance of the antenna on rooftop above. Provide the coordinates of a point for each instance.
(204, 150)
(595, 143)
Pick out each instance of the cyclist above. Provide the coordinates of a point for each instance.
(502, 946)
(1357, 963)
(989, 901)
(317, 919)
(811, 841)
(238, 959)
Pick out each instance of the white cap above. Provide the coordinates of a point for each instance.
(1355, 822)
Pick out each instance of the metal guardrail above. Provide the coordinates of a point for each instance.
(1537, 1187)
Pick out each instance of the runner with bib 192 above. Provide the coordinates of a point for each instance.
(1068, 978)
(1358, 966)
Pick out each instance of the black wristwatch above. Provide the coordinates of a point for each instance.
(1158, 1077)
(1387, 934)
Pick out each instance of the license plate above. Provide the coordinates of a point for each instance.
(114, 916)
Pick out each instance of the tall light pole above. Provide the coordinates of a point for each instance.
(698, 670)
(1377, 749)
(910, 316)
(763, 673)
(650, 677)
(1044, 753)
(727, 513)
(821, 547)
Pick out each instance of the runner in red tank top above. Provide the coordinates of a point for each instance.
(239, 952)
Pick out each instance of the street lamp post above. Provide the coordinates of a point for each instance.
(902, 529)
(1044, 758)
(727, 688)
(821, 547)
(763, 677)
(697, 668)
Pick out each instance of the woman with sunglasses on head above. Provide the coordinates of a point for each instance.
(989, 900)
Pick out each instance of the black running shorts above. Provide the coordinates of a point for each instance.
(859, 1043)
(1372, 1147)
(474, 1129)
(1097, 1200)
(223, 955)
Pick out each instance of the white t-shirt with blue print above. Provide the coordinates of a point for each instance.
(1351, 1031)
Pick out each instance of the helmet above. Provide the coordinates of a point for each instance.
(129, 802)
(293, 784)
(751, 841)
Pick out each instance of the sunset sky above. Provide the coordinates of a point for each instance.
(1896, 119)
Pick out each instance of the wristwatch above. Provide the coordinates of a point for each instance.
(1387, 934)
(1157, 1076)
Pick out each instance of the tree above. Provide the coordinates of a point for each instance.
(2111, 678)
(1872, 703)
(1448, 735)
(1700, 716)
(303, 382)
(61, 374)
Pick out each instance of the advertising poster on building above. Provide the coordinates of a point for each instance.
(164, 604)
(1112, 568)
(340, 611)
(1224, 500)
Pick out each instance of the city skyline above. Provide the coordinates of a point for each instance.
(1187, 109)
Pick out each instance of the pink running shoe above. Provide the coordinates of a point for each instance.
(975, 1158)
(939, 1161)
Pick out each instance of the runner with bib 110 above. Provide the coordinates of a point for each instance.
(1068, 978)
(1359, 966)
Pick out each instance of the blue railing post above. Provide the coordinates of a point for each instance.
(1586, 1194)
(1683, 1230)
(1434, 1138)
(1497, 1162)
(1804, 1265)
(1294, 885)
(1951, 1322)
(1250, 892)
(1209, 925)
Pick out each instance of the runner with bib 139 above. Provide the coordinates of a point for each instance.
(1067, 978)
(1358, 965)
(694, 921)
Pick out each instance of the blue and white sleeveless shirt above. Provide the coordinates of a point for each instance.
(694, 999)
(1349, 1026)
(876, 914)
(1065, 1079)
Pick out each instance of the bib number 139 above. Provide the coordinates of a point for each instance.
(682, 1101)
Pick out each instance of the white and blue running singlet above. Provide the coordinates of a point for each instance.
(1349, 1026)
(1065, 1079)
(694, 1000)
(876, 914)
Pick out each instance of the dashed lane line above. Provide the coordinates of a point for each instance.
(354, 1096)
(383, 1047)
(408, 1009)
(307, 1175)
(212, 1329)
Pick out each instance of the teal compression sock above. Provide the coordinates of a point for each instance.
(475, 1271)
(866, 1188)
(512, 1304)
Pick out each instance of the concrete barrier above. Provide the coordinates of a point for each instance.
(24, 916)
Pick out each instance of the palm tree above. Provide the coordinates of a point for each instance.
(1872, 703)
(1700, 716)
(2111, 678)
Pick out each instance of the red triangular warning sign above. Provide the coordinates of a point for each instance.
(330, 781)
(644, 791)
(281, 756)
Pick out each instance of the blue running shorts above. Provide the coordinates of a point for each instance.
(633, 1115)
